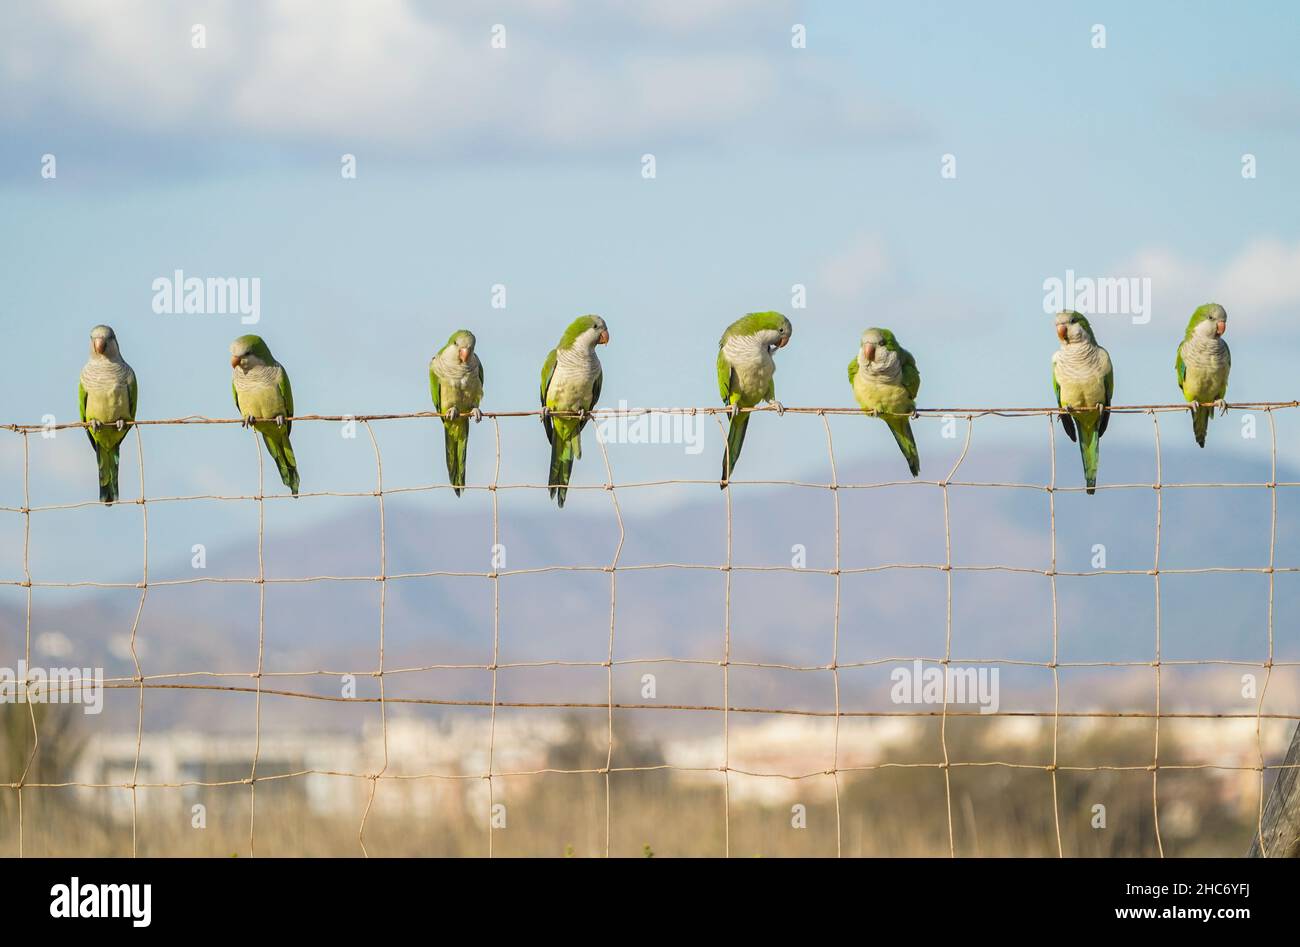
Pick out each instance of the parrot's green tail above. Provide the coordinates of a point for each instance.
(1201, 423)
(735, 441)
(902, 431)
(281, 452)
(1089, 448)
(456, 436)
(108, 465)
(566, 447)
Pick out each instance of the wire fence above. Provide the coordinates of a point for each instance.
(141, 682)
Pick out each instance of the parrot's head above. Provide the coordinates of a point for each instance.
(1209, 321)
(461, 345)
(248, 352)
(585, 332)
(772, 328)
(1072, 328)
(879, 349)
(103, 343)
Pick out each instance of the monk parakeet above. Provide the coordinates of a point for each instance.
(265, 400)
(1203, 364)
(1085, 382)
(456, 382)
(885, 381)
(745, 370)
(108, 393)
(571, 378)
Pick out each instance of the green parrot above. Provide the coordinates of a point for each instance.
(1085, 383)
(571, 379)
(1203, 364)
(885, 382)
(745, 374)
(456, 383)
(108, 394)
(265, 400)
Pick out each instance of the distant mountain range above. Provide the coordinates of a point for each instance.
(776, 617)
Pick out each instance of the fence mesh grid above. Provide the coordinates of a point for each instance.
(142, 682)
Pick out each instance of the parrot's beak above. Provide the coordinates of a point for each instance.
(783, 341)
(869, 352)
(99, 345)
(234, 361)
(1221, 328)
(463, 355)
(1061, 331)
(604, 337)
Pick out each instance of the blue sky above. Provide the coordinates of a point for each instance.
(522, 166)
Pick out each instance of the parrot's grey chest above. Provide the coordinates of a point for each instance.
(1081, 372)
(461, 378)
(258, 379)
(752, 362)
(576, 371)
(882, 389)
(108, 389)
(102, 376)
(1207, 355)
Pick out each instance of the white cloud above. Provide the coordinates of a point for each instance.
(1259, 285)
(412, 78)
(860, 266)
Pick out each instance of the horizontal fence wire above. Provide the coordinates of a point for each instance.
(140, 682)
